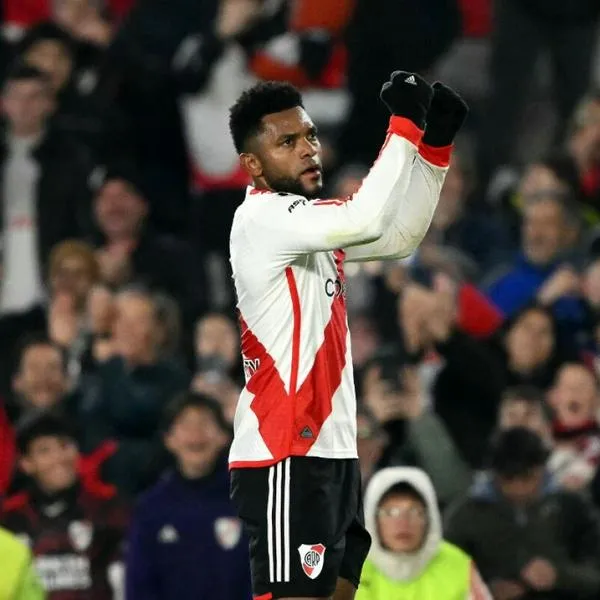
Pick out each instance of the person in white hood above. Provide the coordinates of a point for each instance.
(409, 559)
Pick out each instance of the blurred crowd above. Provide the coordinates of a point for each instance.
(477, 360)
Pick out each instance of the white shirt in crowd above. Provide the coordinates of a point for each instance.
(22, 286)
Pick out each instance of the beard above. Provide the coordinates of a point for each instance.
(293, 186)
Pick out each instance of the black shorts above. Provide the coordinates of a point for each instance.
(304, 518)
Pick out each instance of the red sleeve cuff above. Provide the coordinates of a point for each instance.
(438, 156)
(405, 128)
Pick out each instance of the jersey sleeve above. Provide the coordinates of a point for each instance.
(408, 217)
(302, 226)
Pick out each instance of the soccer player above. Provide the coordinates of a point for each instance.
(295, 477)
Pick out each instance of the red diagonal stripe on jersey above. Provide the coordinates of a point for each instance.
(271, 403)
(282, 416)
(314, 398)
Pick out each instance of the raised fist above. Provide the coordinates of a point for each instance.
(407, 95)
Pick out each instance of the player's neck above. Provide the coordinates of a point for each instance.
(259, 183)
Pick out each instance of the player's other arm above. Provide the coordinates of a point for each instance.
(301, 226)
(411, 212)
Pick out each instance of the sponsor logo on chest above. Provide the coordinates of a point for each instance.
(64, 572)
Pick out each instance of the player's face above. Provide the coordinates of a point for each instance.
(288, 154)
(52, 462)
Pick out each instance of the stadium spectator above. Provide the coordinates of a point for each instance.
(185, 541)
(527, 538)
(86, 107)
(44, 200)
(574, 403)
(530, 349)
(130, 251)
(467, 387)
(416, 435)
(73, 271)
(125, 398)
(409, 556)
(462, 240)
(74, 527)
(554, 173)
(40, 383)
(218, 370)
(544, 270)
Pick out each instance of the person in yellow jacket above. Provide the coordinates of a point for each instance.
(18, 579)
(409, 559)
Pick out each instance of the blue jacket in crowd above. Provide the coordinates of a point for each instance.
(519, 286)
(186, 543)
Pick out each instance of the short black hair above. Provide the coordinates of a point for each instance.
(189, 399)
(516, 452)
(264, 98)
(24, 72)
(44, 424)
(403, 488)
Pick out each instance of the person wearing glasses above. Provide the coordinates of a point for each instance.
(409, 558)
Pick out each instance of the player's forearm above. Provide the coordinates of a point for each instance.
(416, 206)
(388, 178)
(408, 215)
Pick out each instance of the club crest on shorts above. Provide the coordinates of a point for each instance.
(228, 531)
(312, 557)
(80, 534)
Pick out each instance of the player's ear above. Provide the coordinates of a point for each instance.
(251, 164)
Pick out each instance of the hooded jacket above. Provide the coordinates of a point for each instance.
(437, 571)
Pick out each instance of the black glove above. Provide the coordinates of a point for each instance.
(407, 95)
(446, 115)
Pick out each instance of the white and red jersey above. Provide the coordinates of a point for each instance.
(287, 256)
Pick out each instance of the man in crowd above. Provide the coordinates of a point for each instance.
(40, 383)
(44, 199)
(74, 527)
(186, 541)
(529, 539)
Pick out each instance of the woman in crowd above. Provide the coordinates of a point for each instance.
(409, 558)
